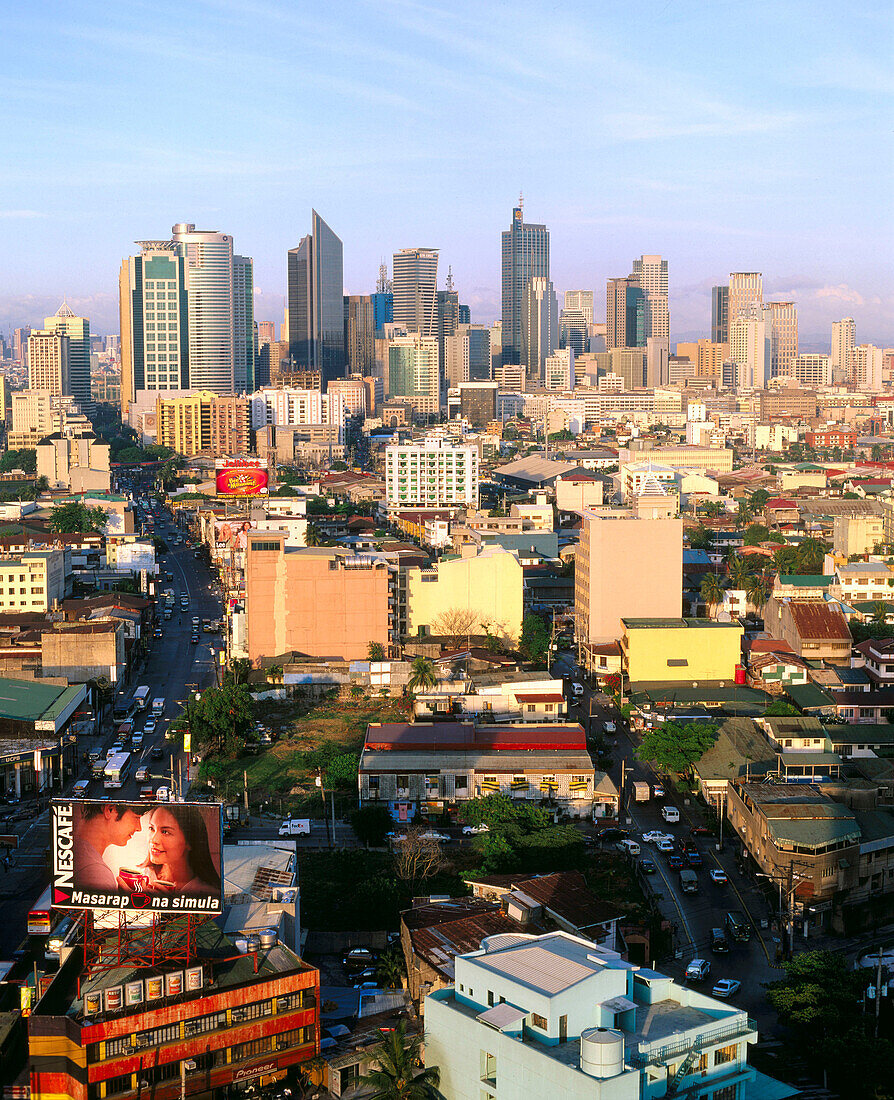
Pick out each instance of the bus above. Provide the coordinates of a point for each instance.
(117, 770)
(40, 917)
(141, 697)
(123, 710)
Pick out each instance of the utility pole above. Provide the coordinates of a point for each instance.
(878, 990)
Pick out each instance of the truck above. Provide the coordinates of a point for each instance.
(641, 791)
(689, 881)
(234, 813)
(158, 707)
(295, 826)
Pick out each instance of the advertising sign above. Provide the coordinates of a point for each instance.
(195, 978)
(174, 984)
(92, 1004)
(114, 998)
(241, 481)
(231, 536)
(159, 858)
(133, 993)
(155, 988)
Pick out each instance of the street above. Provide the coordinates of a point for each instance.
(173, 665)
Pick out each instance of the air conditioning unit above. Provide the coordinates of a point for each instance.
(189, 1064)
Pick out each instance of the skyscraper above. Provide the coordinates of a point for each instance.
(414, 286)
(745, 294)
(625, 314)
(448, 318)
(650, 273)
(48, 354)
(525, 256)
(844, 340)
(316, 303)
(414, 373)
(266, 332)
(208, 259)
(243, 325)
(77, 329)
(751, 349)
(360, 332)
(720, 314)
(574, 331)
(783, 320)
(582, 300)
(20, 344)
(540, 325)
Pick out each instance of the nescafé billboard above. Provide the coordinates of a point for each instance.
(241, 481)
(163, 858)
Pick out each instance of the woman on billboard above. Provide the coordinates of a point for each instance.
(179, 859)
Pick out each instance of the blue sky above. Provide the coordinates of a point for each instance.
(726, 136)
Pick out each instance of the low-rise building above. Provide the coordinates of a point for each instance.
(500, 697)
(76, 462)
(557, 1015)
(680, 650)
(422, 768)
(35, 581)
(815, 629)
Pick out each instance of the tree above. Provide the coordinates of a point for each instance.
(76, 517)
(810, 555)
(700, 538)
(756, 591)
(779, 709)
(759, 498)
(222, 717)
(744, 513)
(738, 572)
(786, 559)
(675, 748)
(397, 1076)
(712, 590)
(880, 612)
(422, 674)
(455, 624)
(755, 534)
(390, 969)
(534, 641)
(375, 651)
(24, 459)
(416, 856)
(371, 825)
(241, 668)
(312, 536)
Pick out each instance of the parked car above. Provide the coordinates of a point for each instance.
(474, 830)
(358, 958)
(612, 832)
(433, 835)
(629, 846)
(655, 836)
(726, 987)
(718, 876)
(698, 970)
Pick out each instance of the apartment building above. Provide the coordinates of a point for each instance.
(557, 1015)
(35, 581)
(48, 362)
(78, 463)
(432, 474)
(625, 567)
(323, 601)
(717, 459)
(204, 422)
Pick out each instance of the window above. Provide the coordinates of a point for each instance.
(403, 782)
(250, 1050)
(374, 784)
(828, 872)
(539, 1021)
(531, 707)
(725, 1054)
(488, 1068)
(461, 783)
(256, 544)
(490, 998)
(677, 662)
(349, 1075)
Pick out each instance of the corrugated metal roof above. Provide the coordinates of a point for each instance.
(501, 1016)
(550, 965)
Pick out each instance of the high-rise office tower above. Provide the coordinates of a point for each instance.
(468, 357)
(751, 349)
(360, 333)
(448, 317)
(208, 259)
(20, 344)
(720, 314)
(866, 367)
(540, 325)
(657, 361)
(745, 295)
(574, 331)
(783, 319)
(154, 320)
(525, 256)
(414, 286)
(316, 303)
(77, 329)
(465, 314)
(243, 325)
(844, 340)
(582, 300)
(414, 373)
(383, 308)
(625, 314)
(650, 273)
(266, 332)
(48, 359)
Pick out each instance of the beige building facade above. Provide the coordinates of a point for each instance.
(204, 423)
(32, 582)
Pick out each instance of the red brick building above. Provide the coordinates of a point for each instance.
(831, 437)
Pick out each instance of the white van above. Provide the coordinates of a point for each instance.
(670, 814)
(295, 826)
(158, 708)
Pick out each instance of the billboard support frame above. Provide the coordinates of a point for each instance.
(165, 940)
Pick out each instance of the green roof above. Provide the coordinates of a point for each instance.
(810, 759)
(677, 624)
(875, 824)
(28, 701)
(814, 832)
(870, 733)
(810, 580)
(809, 696)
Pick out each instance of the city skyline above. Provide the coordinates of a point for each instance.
(705, 166)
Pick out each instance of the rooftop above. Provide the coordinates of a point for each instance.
(547, 964)
(29, 701)
(678, 624)
(816, 620)
(466, 736)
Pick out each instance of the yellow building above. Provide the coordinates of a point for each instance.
(706, 356)
(203, 422)
(685, 651)
(33, 581)
(487, 588)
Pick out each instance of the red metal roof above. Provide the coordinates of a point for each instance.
(464, 735)
(555, 698)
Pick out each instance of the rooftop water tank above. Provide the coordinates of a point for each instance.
(241, 944)
(602, 1052)
(268, 938)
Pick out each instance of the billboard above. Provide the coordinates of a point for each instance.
(231, 536)
(241, 481)
(162, 858)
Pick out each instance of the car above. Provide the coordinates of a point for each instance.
(698, 970)
(629, 846)
(194, 639)
(718, 876)
(726, 987)
(169, 576)
(612, 832)
(195, 621)
(657, 790)
(474, 830)
(114, 750)
(157, 753)
(146, 794)
(396, 838)
(162, 795)
(666, 847)
(158, 632)
(358, 958)
(366, 985)
(149, 728)
(670, 814)
(609, 727)
(647, 867)
(675, 863)
(694, 859)
(577, 689)
(700, 830)
(719, 942)
(142, 773)
(655, 836)
(433, 835)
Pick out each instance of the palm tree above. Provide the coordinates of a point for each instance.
(712, 590)
(422, 674)
(397, 1076)
(744, 513)
(810, 555)
(312, 538)
(880, 612)
(756, 591)
(375, 651)
(390, 969)
(738, 572)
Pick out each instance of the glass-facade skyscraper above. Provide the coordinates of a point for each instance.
(525, 256)
(720, 314)
(316, 303)
(77, 329)
(414, 281)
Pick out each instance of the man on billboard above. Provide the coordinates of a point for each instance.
(103, 825)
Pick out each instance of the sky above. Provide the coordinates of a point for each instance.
(726, 136)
